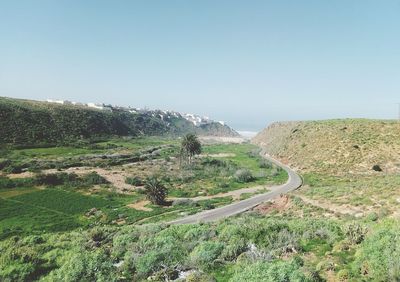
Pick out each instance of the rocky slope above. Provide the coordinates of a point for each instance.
(357, 146)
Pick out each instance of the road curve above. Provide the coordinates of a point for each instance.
(294, 182)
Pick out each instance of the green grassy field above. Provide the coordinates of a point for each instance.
(27, 209)
(45, 210)
(217, 174)
(102, 147)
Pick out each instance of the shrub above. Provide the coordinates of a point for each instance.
(234, 248)
(54, 179)
(280, 271)
(265, 164)
(214, 162)
(6, 182)
(355, 233)
(4, 163)
(243, 176)
(13, 168)
(254, 153)
(184, 202)
(377, 168)
(85, 266)
(275, 171)
(135, 181)
(378, 258)
(325, 265)
(199, 277)
(93, 178)
(373, 216)
(205, 254)
(343, 275)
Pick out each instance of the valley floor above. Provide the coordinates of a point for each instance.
(79, 214)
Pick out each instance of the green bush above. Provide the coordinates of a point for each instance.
(4, 163)
(85, 266)
(205, 254)
(93, 178)
(355, 232)
(265, 164)
(184, 202)
(244, 176)
(255, 153)
(13, 168)
(279, 271)
(213, 162)
(343, 275)
(372, 216)
(378, 258)
(55, 179)
(234, 248)
(70, 179)
(6, 183)
(135, 181)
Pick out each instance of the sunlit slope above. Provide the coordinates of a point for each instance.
(342, 146)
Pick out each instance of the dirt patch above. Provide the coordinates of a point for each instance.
(25, 174)
(140, 206)
(278, 204)
(225, 140)
(220, 155)
(120, 222)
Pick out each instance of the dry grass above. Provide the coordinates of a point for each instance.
(336, 147)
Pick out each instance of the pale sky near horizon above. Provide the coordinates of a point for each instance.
(246, 62)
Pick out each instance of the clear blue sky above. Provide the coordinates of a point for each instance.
(246, 62)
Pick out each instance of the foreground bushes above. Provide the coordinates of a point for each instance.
(378, 259)
(133, 253)
(276, 271)
(252, 248)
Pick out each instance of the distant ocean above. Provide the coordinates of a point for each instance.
(248, 134)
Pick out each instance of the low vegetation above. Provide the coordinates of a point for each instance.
(105, 218)
(246, 248)
(335, 147)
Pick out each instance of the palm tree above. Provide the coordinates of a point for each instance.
(156, 192)
(190, 146)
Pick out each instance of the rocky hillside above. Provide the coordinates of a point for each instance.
(33, 123)
(357, 146)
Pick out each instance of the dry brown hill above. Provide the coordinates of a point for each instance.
(358, 146)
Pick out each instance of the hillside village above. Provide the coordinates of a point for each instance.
(197, 120)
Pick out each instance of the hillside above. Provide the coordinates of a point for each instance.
(32, 122)
(356, 146)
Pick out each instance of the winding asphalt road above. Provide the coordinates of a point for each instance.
(294, 182)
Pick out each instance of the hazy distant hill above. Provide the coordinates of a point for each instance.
(335, 146)
(32, 122)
